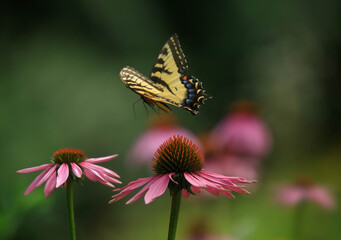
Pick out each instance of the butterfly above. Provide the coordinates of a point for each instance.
(168, 82)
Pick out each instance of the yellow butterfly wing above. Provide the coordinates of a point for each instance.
(167, 83)
(143, 86)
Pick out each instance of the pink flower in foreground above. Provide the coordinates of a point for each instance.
(163, 127)
(305, 190)
(178, 165)
(243, 132)
(70, 164)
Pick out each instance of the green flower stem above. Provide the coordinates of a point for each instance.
(298, 221)
(69, 195)
(173, 221)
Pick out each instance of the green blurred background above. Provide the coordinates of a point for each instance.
(60, 88)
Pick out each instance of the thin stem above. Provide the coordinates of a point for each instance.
(69, 196)
(173, 221)
(298, 221)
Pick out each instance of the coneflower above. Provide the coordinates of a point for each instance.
(178, 164)
(68, 165)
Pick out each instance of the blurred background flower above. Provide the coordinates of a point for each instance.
(239, 142)
(305, 190)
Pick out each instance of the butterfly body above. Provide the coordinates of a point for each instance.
(167, 82)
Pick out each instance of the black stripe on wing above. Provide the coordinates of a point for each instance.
(178, 54)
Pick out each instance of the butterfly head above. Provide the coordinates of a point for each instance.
(196, 95)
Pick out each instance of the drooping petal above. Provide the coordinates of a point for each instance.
(101, 169)
(212, 190)
(106, 183)
(34, 169)
(291, 195)
(47, 175)
(33, 185)
(157, 189)
(171, 178)
(227, 194)
(195, 189)
(143, 190)
(135, 184)
(185, 193)
(50, 184)
(113, 180)
(63, 174)
(223, 181)
(206, 182)
(101, 159)
(192, 180)
(93, 175)
(321, 196)
(124, 191)
(76, 170)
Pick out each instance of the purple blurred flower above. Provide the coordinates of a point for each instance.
(305, 190)
(163, 127)
(231, 165)
(243, 132)
(238, 143)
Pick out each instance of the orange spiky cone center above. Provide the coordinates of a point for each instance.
(178, 155)
(68, 155)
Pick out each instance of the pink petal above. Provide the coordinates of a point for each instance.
(110, 179)
(76, 170)
(50, 184)
(185, 193)
(63, 174)
(291, 195)
(227, 194)
(101, 159)
(212, 190)
(130, 188)
(156, 189)
(135, 184)
(33, 185)
(93, 175)
(47, 175)
(195, 189)
(321, 196)
(171, 178)
(106, 183)
(207, 182)
(143, 190)
(34, 169)
(223, 182)
(104, 170)
(192, 180)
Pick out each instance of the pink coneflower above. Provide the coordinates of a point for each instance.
(178, 165)
(303, 189)
(70, 164)
(147, 143)
(243, 132)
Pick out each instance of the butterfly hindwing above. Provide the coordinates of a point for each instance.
(167, 83)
